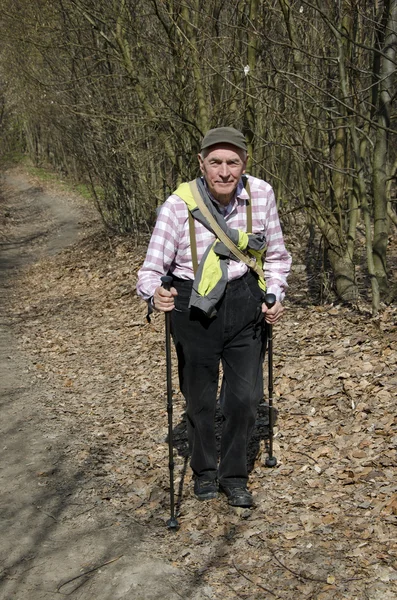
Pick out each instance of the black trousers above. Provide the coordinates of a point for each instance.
(235, 339)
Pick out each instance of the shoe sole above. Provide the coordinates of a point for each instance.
(208, 496)
(240, 505)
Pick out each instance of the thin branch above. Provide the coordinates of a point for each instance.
(265, 589)
(60, 586)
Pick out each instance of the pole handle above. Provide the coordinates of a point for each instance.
(270, 300)
(166, 281)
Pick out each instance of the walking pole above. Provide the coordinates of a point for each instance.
(172, 522)
(271, 461)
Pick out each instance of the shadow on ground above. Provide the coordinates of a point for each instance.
(56, 536)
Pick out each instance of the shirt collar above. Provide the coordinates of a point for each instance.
(241, 192)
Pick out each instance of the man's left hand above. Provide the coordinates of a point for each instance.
(273, 314)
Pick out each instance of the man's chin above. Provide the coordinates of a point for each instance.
(224, 190)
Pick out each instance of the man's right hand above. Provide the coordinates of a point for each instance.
(163, 300)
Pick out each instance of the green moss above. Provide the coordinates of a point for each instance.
(83, 190)
(45, 175)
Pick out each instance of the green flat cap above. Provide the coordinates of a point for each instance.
(224, 135)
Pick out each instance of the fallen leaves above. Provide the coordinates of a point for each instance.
(324, 522)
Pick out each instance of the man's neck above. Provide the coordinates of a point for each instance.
(225, 200)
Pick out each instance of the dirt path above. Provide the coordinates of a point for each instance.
(55, 537)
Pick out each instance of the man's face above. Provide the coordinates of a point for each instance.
(222, 169)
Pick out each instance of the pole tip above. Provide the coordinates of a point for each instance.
(271, 461)
(173, 524)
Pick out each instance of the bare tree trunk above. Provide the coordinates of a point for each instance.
(191, 40)
(340, 252)
(381, 167)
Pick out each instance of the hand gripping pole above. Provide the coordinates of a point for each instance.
(271, 461)
(172, 522)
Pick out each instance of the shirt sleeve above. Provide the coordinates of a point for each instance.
(161, 251)
(278, 261)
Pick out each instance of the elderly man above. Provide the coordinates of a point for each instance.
(219, 321)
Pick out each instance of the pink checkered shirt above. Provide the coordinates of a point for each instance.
(169, 247)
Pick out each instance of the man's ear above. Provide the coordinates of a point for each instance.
(245, 163)
(201, 162)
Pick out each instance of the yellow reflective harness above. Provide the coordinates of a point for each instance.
(210, 274)
(192, 228)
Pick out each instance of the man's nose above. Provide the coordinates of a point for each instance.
(224, 170)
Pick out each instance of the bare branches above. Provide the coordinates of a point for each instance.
(119, 95)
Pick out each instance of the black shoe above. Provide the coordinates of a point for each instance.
(237, 495)
(205, 489)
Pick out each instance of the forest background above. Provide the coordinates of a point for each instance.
(118, 94)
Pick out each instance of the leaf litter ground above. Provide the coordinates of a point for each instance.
(324, 522)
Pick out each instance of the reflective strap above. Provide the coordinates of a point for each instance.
(220, 234)
(193, 244)
(192, 230)
(249, 206)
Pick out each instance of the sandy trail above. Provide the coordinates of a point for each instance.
(52, 540)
